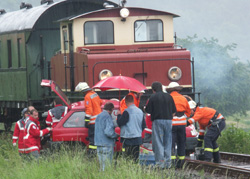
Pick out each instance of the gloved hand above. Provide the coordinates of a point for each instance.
(49, 128)
(200, 140)
(188, 123)
(14, 144)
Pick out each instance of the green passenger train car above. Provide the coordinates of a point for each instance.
(29, 37)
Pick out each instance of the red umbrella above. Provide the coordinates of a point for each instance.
(121, 83)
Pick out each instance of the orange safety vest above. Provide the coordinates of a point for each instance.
(182, 109)
(203, 116)
(123, 105)
(92, 106)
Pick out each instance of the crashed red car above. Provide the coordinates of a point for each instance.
(71, 127)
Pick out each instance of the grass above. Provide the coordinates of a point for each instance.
(242, 122)
(69, 163)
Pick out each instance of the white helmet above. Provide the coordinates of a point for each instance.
(82, 87)
(174, 86)
(192, 104)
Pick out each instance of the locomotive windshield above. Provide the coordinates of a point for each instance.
(148, 30)
(99, 32)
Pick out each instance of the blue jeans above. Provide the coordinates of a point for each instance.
(162, 142)
(105, 155)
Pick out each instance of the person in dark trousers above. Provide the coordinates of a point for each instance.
(214, 122)
(179, 124)
(162, 108)
(105, 136)
(92, 104)
(132, 123)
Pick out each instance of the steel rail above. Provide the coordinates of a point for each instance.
(235, 157)
(217, 169)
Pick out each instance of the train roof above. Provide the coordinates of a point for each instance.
(26, 18)
(23, 19)
(114, 12)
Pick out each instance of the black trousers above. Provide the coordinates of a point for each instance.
(179, 140)
(211, 149)
(132, 152)
(92, 151)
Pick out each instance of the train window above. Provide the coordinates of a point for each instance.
(99, 32)
(148, 30)
(19, 52)
(65, 37)
(9, 54)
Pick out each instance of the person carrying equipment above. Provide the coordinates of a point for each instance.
(214, 122)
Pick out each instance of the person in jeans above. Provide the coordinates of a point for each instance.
(162, 108)
(105, 136)
(132, 123)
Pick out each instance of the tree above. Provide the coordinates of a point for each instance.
(13, 5)
(222, 79)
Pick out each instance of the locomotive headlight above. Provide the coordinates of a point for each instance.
(174, 73)
(124, 12)
(105, 74)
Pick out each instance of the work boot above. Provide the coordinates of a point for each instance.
(173, 163)
(208, 160)
(179, 163)
(217, 161)
(217, 158)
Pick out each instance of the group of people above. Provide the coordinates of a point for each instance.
(170, 114)
(101, 128)
(167, 115)
(28, 133)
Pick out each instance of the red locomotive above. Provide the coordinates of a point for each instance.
(134, 42)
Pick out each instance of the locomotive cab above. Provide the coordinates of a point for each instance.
(139, 44)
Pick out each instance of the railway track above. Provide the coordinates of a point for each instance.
(233, 165)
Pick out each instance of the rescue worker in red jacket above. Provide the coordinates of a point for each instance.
(179, 124)
(92, 108)
(33, 134)
(19, 132)
(57, 113)
(136, 97)
(214, 122)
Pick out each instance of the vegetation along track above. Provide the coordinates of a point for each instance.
(233, 165)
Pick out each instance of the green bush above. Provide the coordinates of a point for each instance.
(235, 140)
